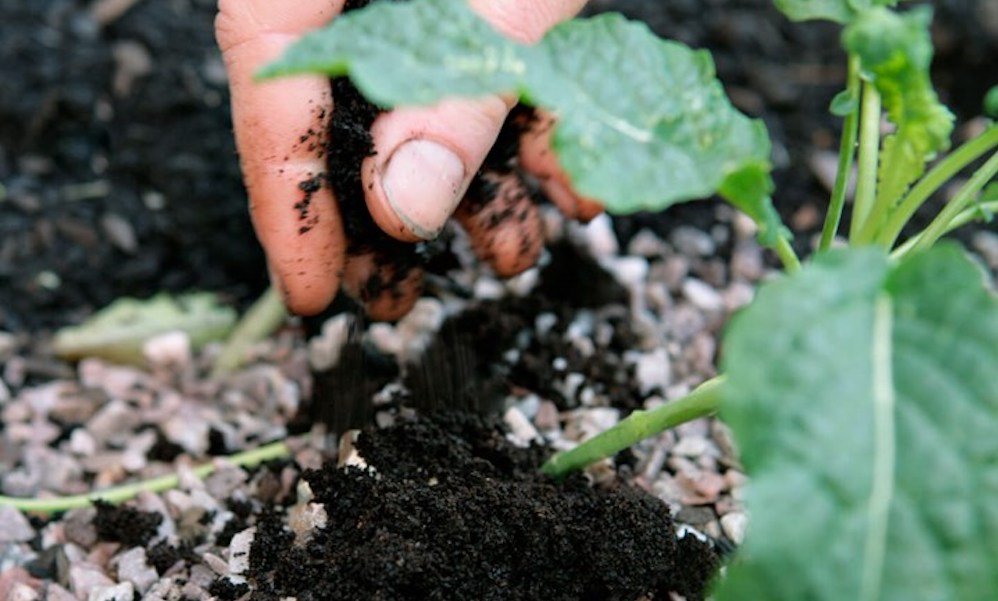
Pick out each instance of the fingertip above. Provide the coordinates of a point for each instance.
(386, 289)
(503, 224)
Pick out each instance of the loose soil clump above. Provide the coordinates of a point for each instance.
(450, 509)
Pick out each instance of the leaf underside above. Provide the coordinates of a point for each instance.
(643, 122)
(119, 331)
(841, 11)
(864, 398)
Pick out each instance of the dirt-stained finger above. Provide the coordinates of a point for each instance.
(386, 286)
(503, 223)
(279, 128)
(539, 158)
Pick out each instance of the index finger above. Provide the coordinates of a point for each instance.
(280, 134)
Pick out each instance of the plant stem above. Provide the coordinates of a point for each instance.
(787, 255)
(966, 216)
(261, 320)
(869, 149)
(964, 197)
(933, 180)
(120, 494)
(847, 151)
(639, 425)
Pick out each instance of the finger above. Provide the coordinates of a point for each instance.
(538, 157)
(503, 223)
(385, 287)
(426, 157)
(279, 128)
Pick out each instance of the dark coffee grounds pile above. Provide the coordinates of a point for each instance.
(454, 511)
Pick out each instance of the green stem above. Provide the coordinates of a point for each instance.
(703, 401)
(869, 149)
(120, 494)
(964, 197)
(978, 211)
(933, 180)
(787, 255)
(847, 151)
(261, 320)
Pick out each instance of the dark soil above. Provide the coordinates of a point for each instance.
(454, 511)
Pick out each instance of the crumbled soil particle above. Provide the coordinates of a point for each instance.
(226, 590)
(125, 525)
(454, 511)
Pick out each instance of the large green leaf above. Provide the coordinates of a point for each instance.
(864, 398)
(644, 123)
(895, 52)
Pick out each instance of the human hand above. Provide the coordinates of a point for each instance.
(423, 163)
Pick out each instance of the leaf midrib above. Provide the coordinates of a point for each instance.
(884, 454)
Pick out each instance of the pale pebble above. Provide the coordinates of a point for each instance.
(734, 525)
(702, 295)
(169, 348)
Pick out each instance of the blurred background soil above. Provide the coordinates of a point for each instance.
(119, 175)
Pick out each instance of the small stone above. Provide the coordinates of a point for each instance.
(692, 446)
(85, 578)
(169, 349)
(113, 422)
(82, 443)
(239, 550)
(306, 518)
(646, 244)
(133, 566)
(123, 591)
(119, 231)
(489, 289)
(22, 591)
(734, 525)
(745, 227)
(14, 527)
(984, 242)
(746, 262)
(702, 296)
(695, 516)
(8, 344)
(547, 416)
(216, 563)
(692, 242)
(652, 371)
(600, 238)
(674, 271)
(521, 430)
(737, 295)
(79, 527)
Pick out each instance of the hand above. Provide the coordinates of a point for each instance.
(424, 161)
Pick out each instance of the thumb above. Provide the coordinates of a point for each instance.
(425, 157)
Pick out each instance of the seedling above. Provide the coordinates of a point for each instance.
(862, 388)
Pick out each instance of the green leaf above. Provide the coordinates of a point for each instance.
(842, 11)
(895, 52)
(843, 104)
(118, 332)
(991, 102)
(864, 399)
(408, 53)
(644, 123)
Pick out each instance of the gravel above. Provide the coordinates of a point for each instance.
(98, 425)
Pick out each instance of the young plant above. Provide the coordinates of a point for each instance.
(863, 388)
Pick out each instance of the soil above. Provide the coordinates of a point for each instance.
(449, 509)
